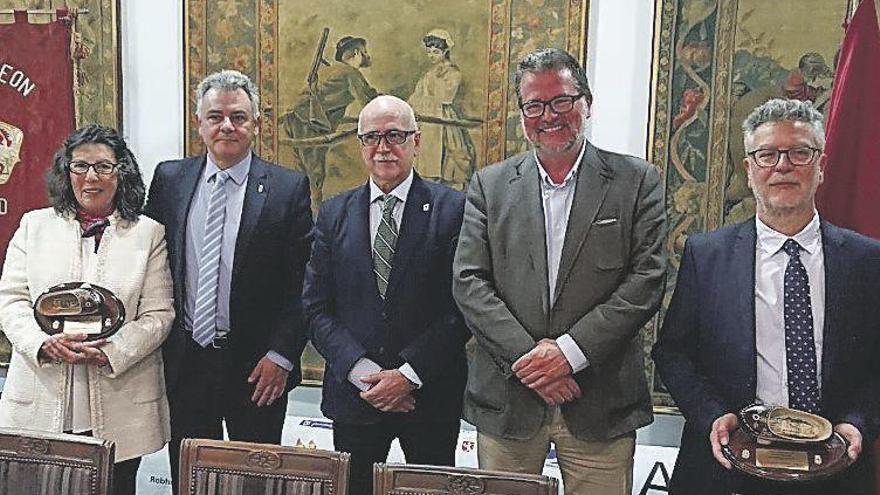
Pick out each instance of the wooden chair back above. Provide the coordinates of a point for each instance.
(414, 479)
(213, 467)
(38, 463)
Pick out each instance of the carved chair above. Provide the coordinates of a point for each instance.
(38, 463)
(414, 479)
(214, 467)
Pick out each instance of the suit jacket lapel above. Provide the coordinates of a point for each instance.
(411, 232)
(256, 192)
(359, 223)
(593, 181)
(524, 202)
(186, 182)
(837, 271)
(742, 287)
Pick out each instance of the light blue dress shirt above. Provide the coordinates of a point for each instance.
(195, 234)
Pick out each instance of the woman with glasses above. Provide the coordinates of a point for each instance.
(109, 388)
(447, 152)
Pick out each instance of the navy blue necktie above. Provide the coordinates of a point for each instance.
(800, 348)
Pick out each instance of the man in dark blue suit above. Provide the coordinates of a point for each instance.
(239, 236)
(378, 298)
(733, 335)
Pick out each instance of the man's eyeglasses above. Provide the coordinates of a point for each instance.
(391, 137)
(101, 168)
(799, 157)
(561, 104)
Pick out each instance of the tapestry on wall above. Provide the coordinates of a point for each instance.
(466, 103)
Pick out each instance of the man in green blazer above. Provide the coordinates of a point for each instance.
(559, 265)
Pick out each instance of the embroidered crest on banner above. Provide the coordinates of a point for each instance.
(11, 138)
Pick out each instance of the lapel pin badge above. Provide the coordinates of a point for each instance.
(426, 206)
(260, 188)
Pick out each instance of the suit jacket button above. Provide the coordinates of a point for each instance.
(384, 315)
(381, 350)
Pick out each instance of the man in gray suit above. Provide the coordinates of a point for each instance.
(559, 265)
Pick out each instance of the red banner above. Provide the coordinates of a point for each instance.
(852, 177)
(36, 113)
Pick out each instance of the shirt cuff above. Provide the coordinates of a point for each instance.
(410, 374)
(363, 367)
(279, 360)
(573, 354)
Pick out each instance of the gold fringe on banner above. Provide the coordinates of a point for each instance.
(47, 12)
(78, 51)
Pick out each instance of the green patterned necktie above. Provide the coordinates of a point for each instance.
(384, 244)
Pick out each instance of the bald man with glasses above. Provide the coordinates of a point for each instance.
(378, 298)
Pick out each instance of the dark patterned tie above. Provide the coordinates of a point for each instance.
(384, 244)
(800, 349)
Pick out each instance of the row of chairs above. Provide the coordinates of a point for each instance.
(36, 463)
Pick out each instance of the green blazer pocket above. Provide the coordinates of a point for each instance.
(604, 245)
(486, 387)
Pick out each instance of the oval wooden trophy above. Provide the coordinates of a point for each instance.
(79, 307)
(782, 444)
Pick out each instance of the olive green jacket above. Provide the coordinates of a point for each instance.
(610, 281)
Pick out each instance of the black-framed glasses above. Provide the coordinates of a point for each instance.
(102, 167)
(799, 157)
(393, 136)
(561, 104)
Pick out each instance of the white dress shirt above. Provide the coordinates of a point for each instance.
(770, 263)
(556, 200)
(366, 366)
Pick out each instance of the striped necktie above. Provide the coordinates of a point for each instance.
(384, 244)
(204, 319)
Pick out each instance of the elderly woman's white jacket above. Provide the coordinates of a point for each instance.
(128, 402)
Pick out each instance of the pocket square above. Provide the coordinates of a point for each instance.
(605, 221)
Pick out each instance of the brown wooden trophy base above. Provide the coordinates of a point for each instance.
(764, 447)
(79, 307)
